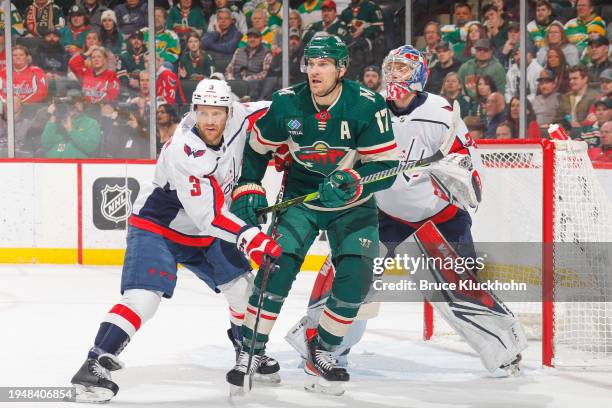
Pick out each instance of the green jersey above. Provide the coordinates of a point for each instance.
(579, 31)
(537, 31)
(275, 21)
(337, 27)
(17, 26)
(183, 23)
(353, 133)
(366, 14)
(167, 44)
(268, 38)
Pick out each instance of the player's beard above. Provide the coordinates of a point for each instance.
(211, 137)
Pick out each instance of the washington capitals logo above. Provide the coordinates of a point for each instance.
(193, 152)
(320, 157)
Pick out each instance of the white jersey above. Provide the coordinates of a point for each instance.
(420, 133)
(188, 201)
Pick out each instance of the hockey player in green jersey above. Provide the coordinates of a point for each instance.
(336, 132)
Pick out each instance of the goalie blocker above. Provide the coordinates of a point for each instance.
(478, 316)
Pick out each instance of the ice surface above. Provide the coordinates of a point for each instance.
(49, 316)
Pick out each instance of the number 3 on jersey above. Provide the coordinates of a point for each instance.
(195, 183)
(382, 118)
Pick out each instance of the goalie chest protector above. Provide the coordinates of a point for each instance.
(419, 132)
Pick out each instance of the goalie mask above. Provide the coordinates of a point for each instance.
(213, 92)
(404, 70)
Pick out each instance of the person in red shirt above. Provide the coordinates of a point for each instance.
(98, 82)
(29, 81)
(2, 50)
(603, 153)
(167, 86)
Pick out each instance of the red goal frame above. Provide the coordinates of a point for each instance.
(548, 210)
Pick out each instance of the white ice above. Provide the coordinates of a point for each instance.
(49, 316)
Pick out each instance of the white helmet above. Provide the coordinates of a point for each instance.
(214, 93)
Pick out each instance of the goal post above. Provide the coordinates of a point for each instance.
(547, 192)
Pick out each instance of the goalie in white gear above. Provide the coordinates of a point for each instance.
(183, 217)
(441, 194)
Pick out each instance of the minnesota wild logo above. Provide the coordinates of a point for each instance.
(320, 157)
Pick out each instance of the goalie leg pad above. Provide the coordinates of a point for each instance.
(483, 320)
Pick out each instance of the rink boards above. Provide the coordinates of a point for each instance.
(75, 211)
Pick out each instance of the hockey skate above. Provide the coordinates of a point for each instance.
(268, 369)
(93, 383)
(235, 377)
(512, 369)
(324, 374)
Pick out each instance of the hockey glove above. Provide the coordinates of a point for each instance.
(247, 198)
(254, 244)
(282, 158)
(332, 195)
(455, 180)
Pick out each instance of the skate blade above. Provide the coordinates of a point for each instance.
(273, 378)
(92, 395)
(507, 372)
(316, 384)
(512, 371)
(236, 391)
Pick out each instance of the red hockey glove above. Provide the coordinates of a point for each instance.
(255, 244)
(282, 158)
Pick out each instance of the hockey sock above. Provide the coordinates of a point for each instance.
(110, 339)
(236, 332)
(277, 290)
(351, 284)
(124, 319)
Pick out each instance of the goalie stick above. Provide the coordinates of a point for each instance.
(381, 175)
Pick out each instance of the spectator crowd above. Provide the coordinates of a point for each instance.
(81, 86)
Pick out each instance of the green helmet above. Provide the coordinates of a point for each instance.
(326, 46)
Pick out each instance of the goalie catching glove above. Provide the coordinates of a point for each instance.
(254, 244)
(247, 198)
(331, 194)
(455, 180)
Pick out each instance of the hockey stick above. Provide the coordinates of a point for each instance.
(265, 270)
(440, 154)
(381, 175)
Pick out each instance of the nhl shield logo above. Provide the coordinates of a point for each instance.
(116, 203)
(113, 201)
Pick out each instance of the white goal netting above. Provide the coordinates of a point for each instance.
(531, 197)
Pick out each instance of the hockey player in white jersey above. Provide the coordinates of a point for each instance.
(183, 217)
(435, 199)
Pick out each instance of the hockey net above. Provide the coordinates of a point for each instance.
(541, 191)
